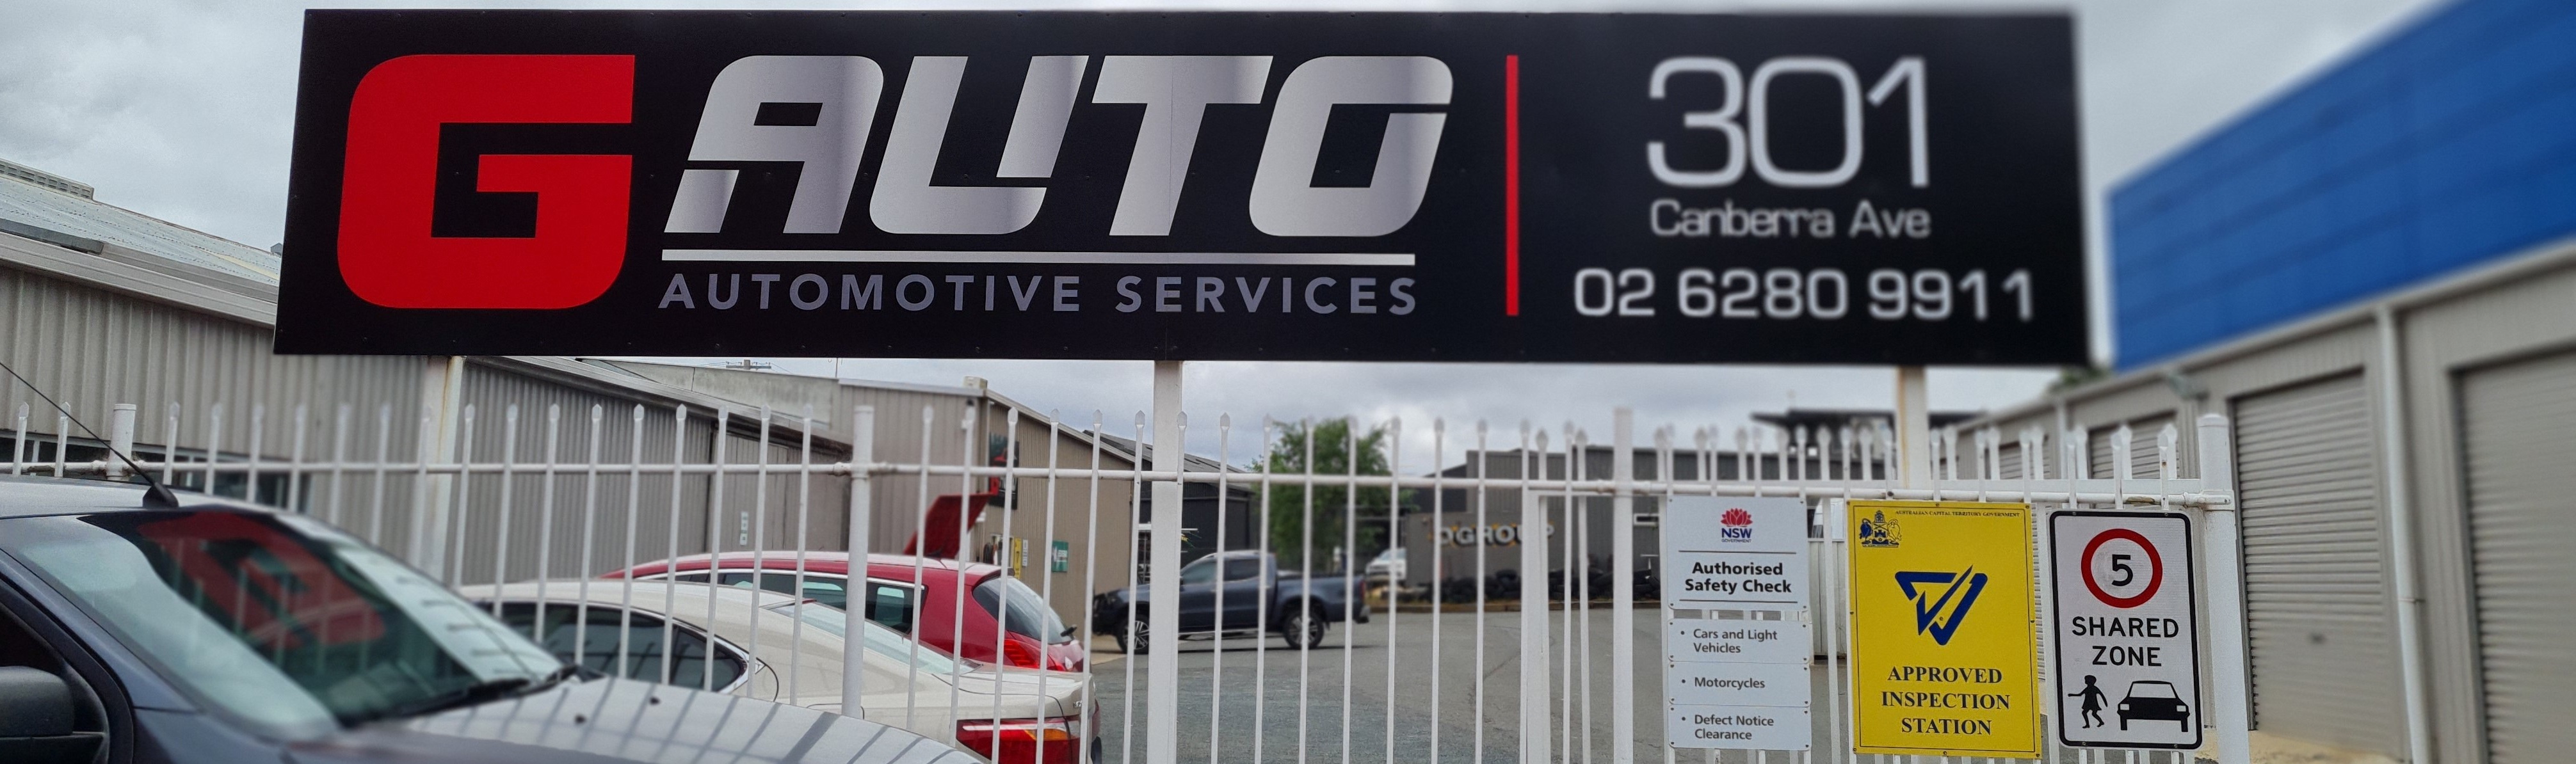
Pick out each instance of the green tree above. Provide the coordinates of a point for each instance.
(1334, 450)
(2071, 377)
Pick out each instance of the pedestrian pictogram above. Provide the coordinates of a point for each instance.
(2125, 626)
(2091, 696)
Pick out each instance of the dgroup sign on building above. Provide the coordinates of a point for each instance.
(1481, 187)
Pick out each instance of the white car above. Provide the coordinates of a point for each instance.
(1389, 566)
(907, 685)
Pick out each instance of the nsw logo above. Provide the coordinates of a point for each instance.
(1737, 525)
(1939, 613)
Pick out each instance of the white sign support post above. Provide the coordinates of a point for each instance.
(1737, 641)
(2227, 649)
(2128, 641)
(1163, 674)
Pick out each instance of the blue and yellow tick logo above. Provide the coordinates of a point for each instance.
(1940, 617)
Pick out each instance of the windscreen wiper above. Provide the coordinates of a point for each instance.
(473, 694)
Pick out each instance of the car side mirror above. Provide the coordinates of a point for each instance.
(36, 714)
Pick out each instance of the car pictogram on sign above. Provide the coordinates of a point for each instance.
(2154, 700)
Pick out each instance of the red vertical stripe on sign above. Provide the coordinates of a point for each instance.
(1512, 185)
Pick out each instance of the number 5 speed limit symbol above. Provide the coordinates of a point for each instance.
(2128, 663)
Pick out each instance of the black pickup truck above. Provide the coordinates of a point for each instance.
(207, 631)
(1254, 595)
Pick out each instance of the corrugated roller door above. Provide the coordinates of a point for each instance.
(2097, 453)
(2316, 584)
(2519, 434)
(2099, 458)
(2143, 461)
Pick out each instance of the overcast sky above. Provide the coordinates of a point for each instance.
(183, 110)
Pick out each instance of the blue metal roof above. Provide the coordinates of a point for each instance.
(2450, 144)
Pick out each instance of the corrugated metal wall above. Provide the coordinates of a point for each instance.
(90, 348)
(1074, 499)
(784, 498)
(900, 436)
(532, 547)
(963, 423)
(486, 539)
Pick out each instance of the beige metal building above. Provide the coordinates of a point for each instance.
(2431, 430)
(972, 424)
(2374, 277)
(102, 306)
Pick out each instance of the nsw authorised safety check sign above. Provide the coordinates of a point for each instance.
(1943, 660)
(1736, 641)
(2128, 663)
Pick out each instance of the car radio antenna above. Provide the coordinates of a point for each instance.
(155, 495)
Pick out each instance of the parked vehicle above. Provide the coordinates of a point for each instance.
(792, 653)
(213, 632)
(1388, 567)
(1256, 593)
(1032, 637)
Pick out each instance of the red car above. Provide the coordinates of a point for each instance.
(1034, 636)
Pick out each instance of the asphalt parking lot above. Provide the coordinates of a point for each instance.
(1248, 709)
(1258, 718)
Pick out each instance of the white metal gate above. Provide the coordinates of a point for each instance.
(1484, 674)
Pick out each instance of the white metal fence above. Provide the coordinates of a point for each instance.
(1556, 680)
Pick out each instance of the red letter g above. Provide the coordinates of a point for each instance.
(386, 252)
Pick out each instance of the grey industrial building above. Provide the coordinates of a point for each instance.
(1450, 522)
(2374, 277)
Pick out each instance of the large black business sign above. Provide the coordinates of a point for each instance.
(1473, 187)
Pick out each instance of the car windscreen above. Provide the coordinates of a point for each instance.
(279, 621)
(1028, 615)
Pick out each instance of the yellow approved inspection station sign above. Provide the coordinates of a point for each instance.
(1943, 654)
